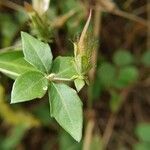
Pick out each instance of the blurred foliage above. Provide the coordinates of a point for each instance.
(19, 120)
(146, 58)
(66, 143)
(10, 25)
(143, 133)
(123, 57)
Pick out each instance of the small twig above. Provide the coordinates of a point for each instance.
(108, 130)
(110, 7)
(61, 20)
(148, 19)
(128, 3)
(91, 122)
(88, 134)
(97, 28)
(137, 110)
(11, 5)
(111, 121)
(141, 9)
(130, 17)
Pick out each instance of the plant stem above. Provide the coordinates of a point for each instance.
(88, 134)
(11, 5)
(109, 129)
(52, 77)
(148, 20)
(97, 27)
(62, 79)
(91, 121)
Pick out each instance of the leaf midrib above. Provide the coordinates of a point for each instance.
(61, 97)
(38, 57)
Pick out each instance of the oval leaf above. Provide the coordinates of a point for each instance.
(13, 64)
(64, 67)
(28, 86)
(122, 58)
(66, 108)
(36, 52)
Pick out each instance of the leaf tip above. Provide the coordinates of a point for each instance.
(78, 139)
(23, 33)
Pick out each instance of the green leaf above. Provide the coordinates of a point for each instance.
(143, 132)
(146, 58)
(127, 76)
(122, 57)
(28, 86)
(79, 84)
(36, 52)
(115, 101)
(142, 146)
(64, 67)
(66, 108)
(15, 137)
(107, 74)
(13, 64)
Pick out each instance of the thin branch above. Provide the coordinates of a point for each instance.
(112, 119)
(141, 9)
(113, 9)
(108, 130)
(97, 28)
(148, 19)
(88, 134)
(11, 5)
(61, 20)
(128, 3)
(130, 17)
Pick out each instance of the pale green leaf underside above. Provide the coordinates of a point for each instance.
(13, 64)
(79, 84)
(66, 108)
(28, 86)
(36, 52)
(64, 67)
